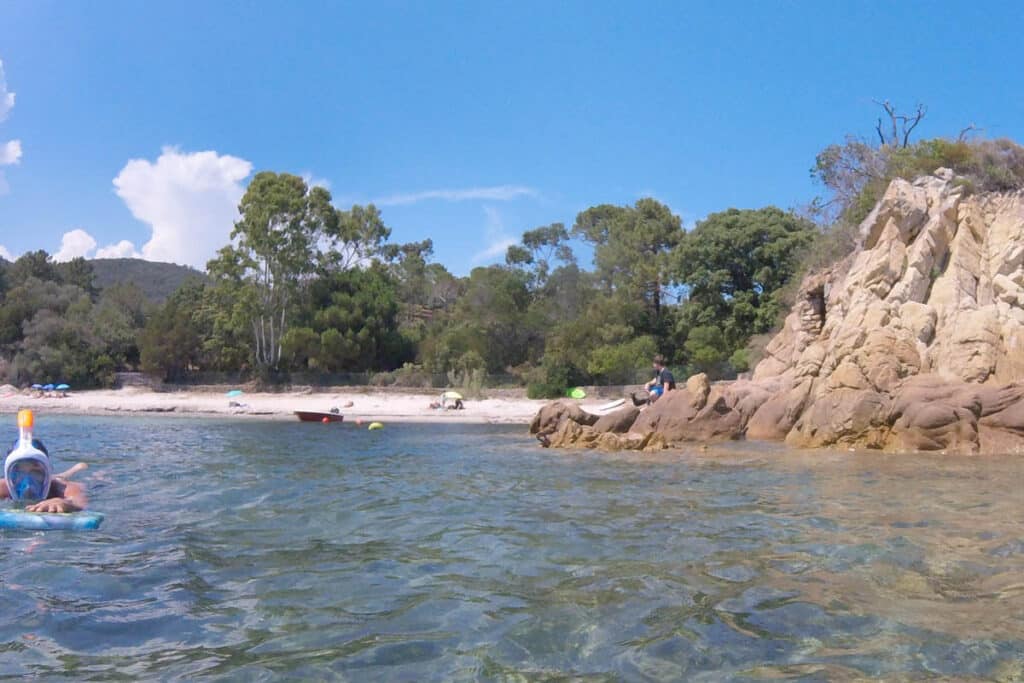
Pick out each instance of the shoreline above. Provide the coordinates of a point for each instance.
(355, 404)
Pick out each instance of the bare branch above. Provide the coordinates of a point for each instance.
(898, 122)
(921, 111)
(969, 129)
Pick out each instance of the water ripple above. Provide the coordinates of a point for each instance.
(242, 551)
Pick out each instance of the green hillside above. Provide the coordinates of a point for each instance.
(156, 280)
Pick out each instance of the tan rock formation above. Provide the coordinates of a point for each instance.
(915, 342)
(929, 309)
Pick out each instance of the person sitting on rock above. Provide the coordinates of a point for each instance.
(662, 381)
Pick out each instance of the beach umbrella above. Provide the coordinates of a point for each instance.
(48, 387)
(62, 387)
(453, 395)
(37, 386)
(233, 393)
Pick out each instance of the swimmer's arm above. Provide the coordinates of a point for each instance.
(73, 500)
(75, 493)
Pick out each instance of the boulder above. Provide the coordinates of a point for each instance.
(930, 414)
(848, 417)
(668, 413)
(619, 421)
(550, 417)
(698, 387)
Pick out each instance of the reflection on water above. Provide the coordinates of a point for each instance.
(431, 553)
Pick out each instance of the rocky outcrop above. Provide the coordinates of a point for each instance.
(913, 343)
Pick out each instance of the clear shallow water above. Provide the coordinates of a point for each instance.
(260, 551)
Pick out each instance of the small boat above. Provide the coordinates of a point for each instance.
(318, 416)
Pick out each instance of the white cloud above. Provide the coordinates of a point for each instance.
(5, 254)
(78, 242)
(75, 243)
(10, 152)
(498, 193)
(6, 98)
(123, 249)
(189, 199)
(497, 241)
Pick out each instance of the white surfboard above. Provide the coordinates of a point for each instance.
(610, 405)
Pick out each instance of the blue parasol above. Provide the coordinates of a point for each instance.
(37, 386)
(233, 393)
(62, 387)
(48, 387)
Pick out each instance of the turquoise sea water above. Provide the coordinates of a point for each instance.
(236, 550)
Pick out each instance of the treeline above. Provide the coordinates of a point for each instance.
(307, 288)
(55, 326)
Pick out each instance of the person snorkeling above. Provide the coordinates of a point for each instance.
(29, 478)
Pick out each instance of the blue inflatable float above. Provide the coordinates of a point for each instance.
(50, 521)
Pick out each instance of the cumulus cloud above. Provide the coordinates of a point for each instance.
(123, 249)
(498, 193)
(79, 243)
(10, 152)
(497, 241)
(5, 254)
(189, 199)
(75, 243)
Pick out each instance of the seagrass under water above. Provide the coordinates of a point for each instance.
(257, 551)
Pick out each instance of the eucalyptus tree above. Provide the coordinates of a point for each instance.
(539, 249)
(274, 251)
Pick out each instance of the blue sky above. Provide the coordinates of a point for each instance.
(136, 126)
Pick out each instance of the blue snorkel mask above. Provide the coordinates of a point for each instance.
(28, 480)
(27, 471)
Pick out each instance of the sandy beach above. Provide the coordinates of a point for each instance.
(362, 404)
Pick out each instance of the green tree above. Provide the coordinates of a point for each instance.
(274, 252)
(170, 344)
(632, 247)
(733, 263)
(706, 349)
(355, 313)
(35, 264)
(117, 320)
(538, 251)
(355, 238)
(300, 344)
(77, 272)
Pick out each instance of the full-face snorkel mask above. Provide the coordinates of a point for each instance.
(27, 468)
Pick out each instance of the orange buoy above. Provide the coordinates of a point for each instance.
(326, 420)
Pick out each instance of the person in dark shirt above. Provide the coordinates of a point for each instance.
(662, 381)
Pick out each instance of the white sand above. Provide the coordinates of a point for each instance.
(366, 405)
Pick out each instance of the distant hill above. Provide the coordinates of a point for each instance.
(156, 280)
